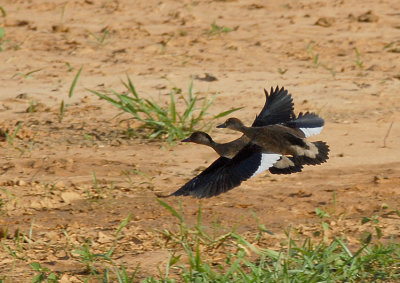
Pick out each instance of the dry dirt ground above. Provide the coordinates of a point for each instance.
(46, 175)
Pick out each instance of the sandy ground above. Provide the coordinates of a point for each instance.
(46, 173)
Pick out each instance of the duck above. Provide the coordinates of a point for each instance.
(241, 159)
(283, 140)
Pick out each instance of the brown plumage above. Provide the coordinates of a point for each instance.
(282, 139)
(230, 149)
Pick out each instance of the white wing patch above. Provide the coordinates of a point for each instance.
(267, 160)
(311, 131)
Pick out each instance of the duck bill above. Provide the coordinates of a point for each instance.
(186, 140)
(222, 126)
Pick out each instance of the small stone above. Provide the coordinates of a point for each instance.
(60, 184)
(368, 17)
(22, 96)
(378, 179)
(60, 254)
(37, 107)
(85, 99)
(67, 279)
(37, 164)
(325, 22)
(103, 238)
(35, 205)
(52, 236)
(68, 197)
(21, 183)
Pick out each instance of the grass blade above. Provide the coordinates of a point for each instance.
(225, 113)
(74, 82)
(173, 211)
(172, 107)
(3, 12)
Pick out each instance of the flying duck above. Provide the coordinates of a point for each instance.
(282, 140)
(241, 159)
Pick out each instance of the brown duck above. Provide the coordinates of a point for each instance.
(283, 140)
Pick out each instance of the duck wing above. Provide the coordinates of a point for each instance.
(309, 123)
(278, 108)
(202, 178)
(225, 175)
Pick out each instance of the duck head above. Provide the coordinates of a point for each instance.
(200, 138)
(233, 124)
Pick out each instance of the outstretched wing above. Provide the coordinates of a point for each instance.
(309, 123)
(202, 178)
(229, 174)
(278, 108)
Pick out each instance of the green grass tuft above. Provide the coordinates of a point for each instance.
(223, 255)
(300, 260)
(164, 121)
(216, 29)
(358, 61)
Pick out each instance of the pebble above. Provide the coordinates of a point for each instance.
(68, 197)
(21, 183)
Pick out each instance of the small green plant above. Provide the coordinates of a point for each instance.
(325, 226)
(3, 12)
(130, 172)
(393, 46)
(313, 54)
(9, 197)
(2, 30)
(366, 236)
(2, 34)
(32, 106)
(100, 39)
(358, 61)
(321, 214)
(43, 274)
(164, 121)
(11, 138)
(315, 59)
(70, 94)
(27, 75)
(216, 29)
(74, 82)
(62, 111)
(91, 259)
(18, 248)
(282, 71)
(100, 192)
(123, 275)
(70, 68)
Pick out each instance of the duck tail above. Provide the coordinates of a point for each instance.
(317, 153)
(286, 165)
